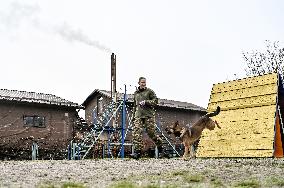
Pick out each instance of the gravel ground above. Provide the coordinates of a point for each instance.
(212, 172)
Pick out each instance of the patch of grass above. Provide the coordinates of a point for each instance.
(195, 178)
(126, 184)
(248, 184)
(180, 173)
(275, 181)
(123, 184)
(216, 182)
(186, 176)
(151, 186)
(47, 186)
(60, 185)
(72, 185)
(281, 165)
(228, 165)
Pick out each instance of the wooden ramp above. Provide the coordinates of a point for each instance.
(250, 118)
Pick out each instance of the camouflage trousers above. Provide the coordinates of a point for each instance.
(139, 125)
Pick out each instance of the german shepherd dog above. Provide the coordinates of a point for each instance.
(189, 135)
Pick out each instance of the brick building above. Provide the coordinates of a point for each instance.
(28, 117)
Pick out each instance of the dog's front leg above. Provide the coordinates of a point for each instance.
(185, 153)
(192, 152)
(186, 149)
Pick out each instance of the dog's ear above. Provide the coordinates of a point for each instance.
(176, 124)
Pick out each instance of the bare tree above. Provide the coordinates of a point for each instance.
(263, 62)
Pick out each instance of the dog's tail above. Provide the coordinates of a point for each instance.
(214, 113)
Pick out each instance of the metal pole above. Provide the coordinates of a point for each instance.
(74, 151)
(108, 142)
(123, 122)
(156, 152)
(69, 151)
(34, 151)
(78, 151)
(113, 74)
(113, 91)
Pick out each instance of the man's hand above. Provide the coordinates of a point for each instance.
(142, 103)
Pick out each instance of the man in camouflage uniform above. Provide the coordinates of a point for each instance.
(145, 100)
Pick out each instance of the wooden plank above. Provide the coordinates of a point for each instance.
(263, 112)
(244, 93)
(245, 83)
(260, 125)
(265, 100)
(236, 153)
(237, 143)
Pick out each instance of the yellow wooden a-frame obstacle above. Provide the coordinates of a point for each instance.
(251, 119)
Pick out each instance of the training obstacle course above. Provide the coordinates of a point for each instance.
(250, 118)
(109, 135)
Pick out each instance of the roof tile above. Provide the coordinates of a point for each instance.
(32, 97)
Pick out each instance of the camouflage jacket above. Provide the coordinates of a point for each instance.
(151, 100)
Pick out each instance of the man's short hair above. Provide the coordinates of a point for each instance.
(141, 78)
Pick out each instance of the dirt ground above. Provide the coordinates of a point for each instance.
(212, 172)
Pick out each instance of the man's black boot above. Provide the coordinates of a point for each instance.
(161, 152)
(136, 155)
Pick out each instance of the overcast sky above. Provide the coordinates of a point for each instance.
(63, 47)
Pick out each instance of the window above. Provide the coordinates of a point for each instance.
(34, 121)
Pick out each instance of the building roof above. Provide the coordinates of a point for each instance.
(246, 119)
(32, 97)
(162, 102)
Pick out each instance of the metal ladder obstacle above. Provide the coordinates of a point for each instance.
(98, 135)
(81, 150)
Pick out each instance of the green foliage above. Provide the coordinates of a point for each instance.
(248, 184)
